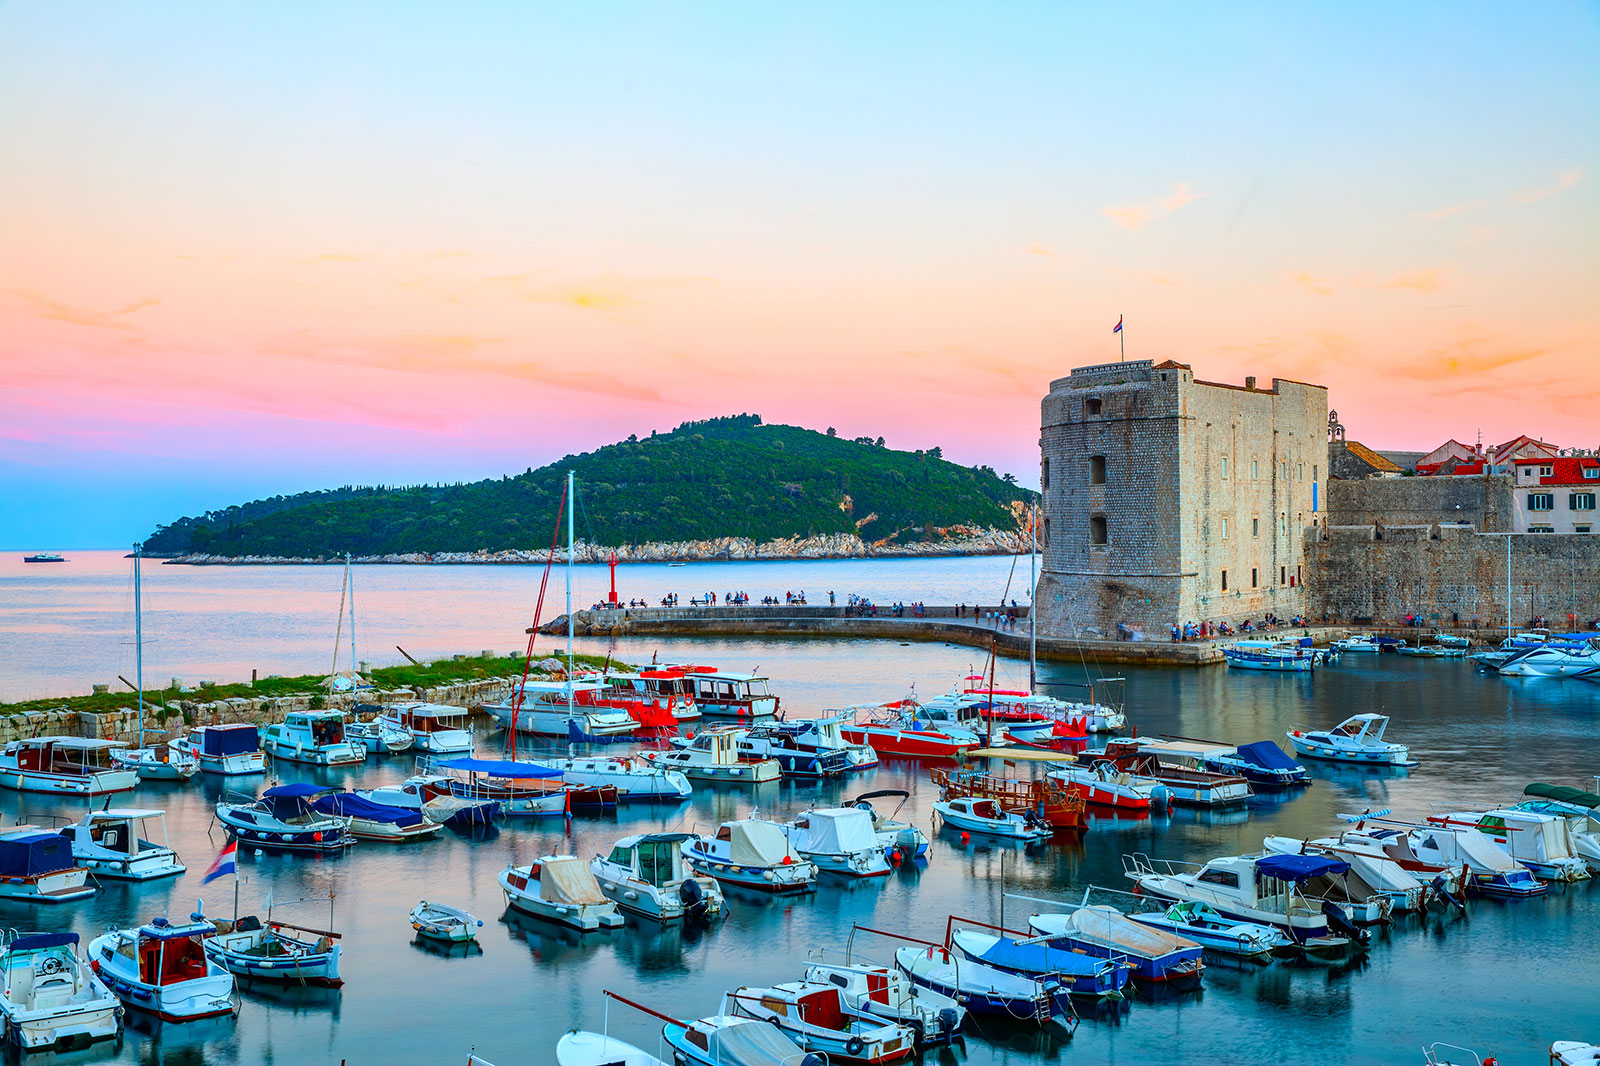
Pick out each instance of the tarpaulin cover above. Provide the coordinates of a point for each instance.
(229, 740)
(1563, 794)
(1040, 959)
(837, 832)
(567, 879)
(350, 805)
(1298, 867)
(518, 770)
(1266, 754)
(34, 854)
(756, 844)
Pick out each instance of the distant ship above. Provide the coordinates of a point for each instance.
(43, 557)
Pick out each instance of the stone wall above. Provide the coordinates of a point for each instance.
(1482, 502)
(1384, 573)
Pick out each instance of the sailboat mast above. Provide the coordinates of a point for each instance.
(1508, 586)
(572, 503)
(138, 639)
(350, 579)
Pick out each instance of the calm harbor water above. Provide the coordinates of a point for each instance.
(1506, 979)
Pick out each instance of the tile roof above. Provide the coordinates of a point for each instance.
(1371, 458)
(1566, 470)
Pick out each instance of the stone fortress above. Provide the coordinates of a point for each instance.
(1169, 499)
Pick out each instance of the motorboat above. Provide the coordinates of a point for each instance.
(159, 762)
(1261, 763)
(1493, 872)
(430, 794)
(959, 713)
(1371, 874)
(1365, 644)
(1178, 766)
(714, 756)
(796, 759)
(275, 951)
(1278, 655)
(1450, 640)
(162, 968)
(581, 1048)
(435, 728)
(895, 730)
(552, 708)
(1245, 888)
(562, 889)
(726, 694)
(38, 867)
(1080, 974)
(1103, 784)
(523, 788)
(124, 844)
(1574, 1053)
(826, 734)
(1050, 803)
(51, 999)
(975, 814)
(644, 874)
(72, 765)
(1200, 923)
(369, 820)
(440, 921)
(285, 818)
(813, 1016)
(1581, 810)
(838, 840)
(752, 854)
(1422, 651)
(378, 736)
(657, 688)
(1357, 739)
(634, 779)
(229, 750)
(1014, 709)
(1541, 842)
(1105, 932)
(316, 738)
(893, 832)
(988, 991)
(1341, 886)
(44, 557)
(1367, 849)
(734, 1040)
(1556, 658)
(885, 994)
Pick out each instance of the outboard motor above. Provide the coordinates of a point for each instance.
(1340, 923)
(1161, 796)
(692, 895)
(949, 1022)
(1442, 890)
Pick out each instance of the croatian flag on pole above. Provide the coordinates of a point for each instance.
(222, 865)
(1118, 327)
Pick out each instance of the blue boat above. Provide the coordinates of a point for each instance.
(285, 819)
(1106, 933)
(989, 990)
(1081, 975)
(1261, 763)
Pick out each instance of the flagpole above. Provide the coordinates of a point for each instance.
(1122, 340)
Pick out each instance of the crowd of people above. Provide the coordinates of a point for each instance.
(1187, 631)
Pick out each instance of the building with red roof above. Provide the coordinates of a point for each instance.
(1555, 493)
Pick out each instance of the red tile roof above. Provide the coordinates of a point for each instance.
(1566, 470)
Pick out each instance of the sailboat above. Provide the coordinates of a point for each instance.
(162, 762)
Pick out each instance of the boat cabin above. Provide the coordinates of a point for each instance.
(167, 953)
(741, 695)
(655, 858)
(662, 687)
(324, 727)
(220, 741)
(428, 717)
(65, 756)
(121, 830)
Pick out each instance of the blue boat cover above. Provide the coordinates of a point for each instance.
(35, 854)
(1007, 954)
(229, 739)
(1298, 867)
(516, 770)
(1265, 753)
(44, 940)
(350, 805)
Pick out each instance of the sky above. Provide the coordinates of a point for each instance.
(254, 249)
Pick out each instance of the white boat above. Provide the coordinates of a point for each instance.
(1362, 645)
(313, 737)
(1583, 826)
(1541, 842)
(378, 737)
(434, 727)
(556, 708)
(1449, 640)
(285, 819)
(813, 1017)
(1152, 954)
(1574, 1053)
(580, 1048)
(560, 888)
(634, 779)
(1379, 874)
(1180, 767)
(753, 854)
(367, 819)
(1556, 658)
(714, 756)
(440, 921)
(430, 795)
(265, 951)
(1338, 884)
(910, 841)
(52, 1000)
(726, 694)
(229, 750)
(886, 994)
(162, 968)
(728, 1040)
(38, 867)
(1281, 655)
(118, 843)
(1240, 888)
(644, 874)
(160, 762)
(794, 758)
(1202, 924)
(1357, 739)
(73, 765)
(1492, 870)
(839, 840)
(826, 734)
(979, 815)
(1102, 784)
(660, 688)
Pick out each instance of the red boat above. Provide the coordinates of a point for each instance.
(1055, 806)
(890, 733)
(1071, 737)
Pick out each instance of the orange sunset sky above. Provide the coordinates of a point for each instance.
(254, 249)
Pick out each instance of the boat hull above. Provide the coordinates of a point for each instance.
(907, 743)
(341, 754)
(99, 784)
(184, 1001)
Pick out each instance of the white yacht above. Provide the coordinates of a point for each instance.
(553, 708)
(313, 737)
(1244, 888)
(124, 844)
(52, 1000)
(434, 727)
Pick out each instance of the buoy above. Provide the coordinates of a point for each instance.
(317, 836)
(965, 836)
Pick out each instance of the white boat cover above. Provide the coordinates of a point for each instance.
(1478, 850)
(567, 879)
(838, 831)
(752, 843)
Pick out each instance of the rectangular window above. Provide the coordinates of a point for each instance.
(1547, 471)
(1224, 466)
(1255, 527)
(1224, 529)
(1581, 529)
(1591, 472)
(1283, 575)
(1300, 472)
(1044, 478)
(1252, 577)
(1224, 581)
(1541, 501)
(1283, 525)
(1541, 529)
(1581, 501)
(1097, 529)
(1255, 470)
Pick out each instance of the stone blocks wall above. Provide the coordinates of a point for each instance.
(1482, 502)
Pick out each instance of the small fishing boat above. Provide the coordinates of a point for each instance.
(1449, 640)
(1202, 924)
(1103, 784)
(752, 854)
(1574, 1053)
(885, 994)
(795, 759)
(824, 734)
(52, 1000)
(1361, 645)
(1107, 933)
(714, 756)
(229, 750)
(551, 708)
(979, 815)
(839, 840)
(1357, 739)
(435, 728)
(163, 968)
(1086, 976)
(634, 779)
(1178, 765)
(1262, 763)
(560, 888)
(112, 843)
(987, 990)
(1051, 804)
(375, 821)
(285, 819)
(580, 1048)
(523, 788)
(734, 1040)
(813, 1016)
(911, 841)
(316, 738)
(39, 867)
(440, 921)
(644, 875)
(378, 736)
(657, 688)
(249, 947)
(160, 762)
(72, 765)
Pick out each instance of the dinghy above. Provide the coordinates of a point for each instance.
(111, 843)
(160, 762)
(379, 737)
(440, 921)
(163, 968)
(977, 815)
(813, 1016)
(560, 888)
(1357, 739)
(580, 1048)
(249, 947)
(52, 1000)
(752, 854)
(884, 994)
(1107, 933)
(644, 874)
(1203, 925)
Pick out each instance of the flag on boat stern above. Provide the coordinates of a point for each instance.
(223, 864)
(1118, 327)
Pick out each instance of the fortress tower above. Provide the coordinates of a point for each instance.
(1168, 499)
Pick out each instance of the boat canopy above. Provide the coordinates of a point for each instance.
(839, 831)
(1298, 867)
(220, 740)
(754, 1043)
(1563, 794)
(882, 793)
(515, 771)
(289, 801)
(1266, 754)
(350, 805)
(39, 941)
(756, 844)
(1022, 754)
(33, 854)
(567, 879)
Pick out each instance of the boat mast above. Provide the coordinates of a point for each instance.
(138, 640)
(572, 503)
(350, 579)
(1508, 586)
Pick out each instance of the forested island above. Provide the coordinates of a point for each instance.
(732, 487)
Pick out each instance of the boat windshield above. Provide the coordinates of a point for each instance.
(659, 861)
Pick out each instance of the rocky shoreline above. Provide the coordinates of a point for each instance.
(953, 541)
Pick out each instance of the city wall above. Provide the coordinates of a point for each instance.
(1482, 502)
